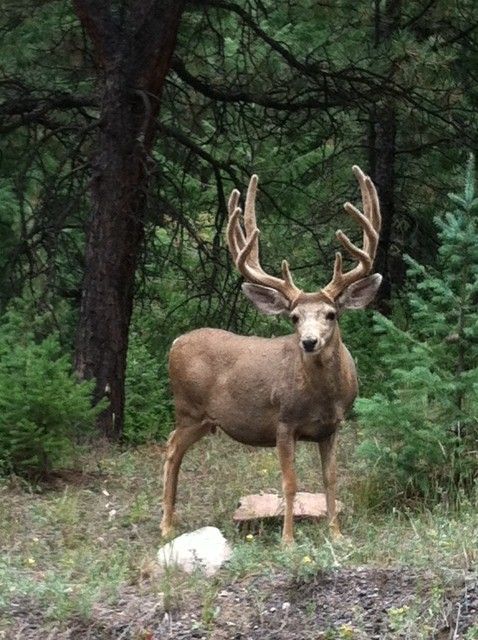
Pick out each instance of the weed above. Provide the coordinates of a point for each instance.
(210, 609)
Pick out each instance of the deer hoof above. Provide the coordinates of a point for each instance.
(335, 532)
(166, 530)
(287, 541)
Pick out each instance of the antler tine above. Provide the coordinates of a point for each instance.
(370, 221)
(371, 209)
(234, 234)
(244, 247)
(235, 237)
(233, 201)
(376, 216)
(250, 222)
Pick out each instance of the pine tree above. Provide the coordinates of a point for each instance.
(421, 430)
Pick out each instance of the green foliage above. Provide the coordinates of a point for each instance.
(148, 414)
(302, 154)
(8, 217)
(421, 428)
(43, 409)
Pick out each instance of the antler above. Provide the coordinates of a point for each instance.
(371, 221)
(244, 247)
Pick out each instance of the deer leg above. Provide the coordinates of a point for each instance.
(178, 443)
(329, 471)
(286, 452)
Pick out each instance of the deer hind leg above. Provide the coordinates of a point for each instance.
(286, 452)
(327, 450)
(178, 443)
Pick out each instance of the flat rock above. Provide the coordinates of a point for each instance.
(205, 549)
(270, 505)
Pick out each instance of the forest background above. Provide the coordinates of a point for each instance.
(124, 125)
(123, 130)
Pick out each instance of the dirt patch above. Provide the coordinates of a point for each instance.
(362, 603)
(133, 616)
(348, 603)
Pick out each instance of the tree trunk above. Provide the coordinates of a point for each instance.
(382, 169)
(134, 61)
(381, 145)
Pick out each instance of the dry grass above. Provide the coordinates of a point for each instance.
(80, 552)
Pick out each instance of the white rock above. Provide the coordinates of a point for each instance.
(205, 549)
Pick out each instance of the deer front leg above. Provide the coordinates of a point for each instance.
(286, 451)
(329, 471)
(179, 441)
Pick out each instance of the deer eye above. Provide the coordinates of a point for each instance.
(295, 318)
(331, 315)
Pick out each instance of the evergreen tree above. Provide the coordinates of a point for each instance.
(421, 429)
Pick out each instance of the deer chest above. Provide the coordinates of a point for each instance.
(313, 420)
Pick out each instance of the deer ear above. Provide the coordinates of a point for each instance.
(360, 293)
(265, 299)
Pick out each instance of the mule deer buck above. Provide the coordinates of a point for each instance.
(271, 392)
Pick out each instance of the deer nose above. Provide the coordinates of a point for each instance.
(309, 344)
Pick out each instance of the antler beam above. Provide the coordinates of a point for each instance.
(371, 221)
(244, 245)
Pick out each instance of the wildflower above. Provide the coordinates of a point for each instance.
(306, 560)
(346, 631)
(249, 537)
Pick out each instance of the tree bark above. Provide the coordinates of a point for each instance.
(134, 59)
(381, 146)
(382, 169)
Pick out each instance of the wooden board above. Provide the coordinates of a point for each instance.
(270, 505)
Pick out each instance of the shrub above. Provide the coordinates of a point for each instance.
(148, 412)
(43, 409)
(420, 431)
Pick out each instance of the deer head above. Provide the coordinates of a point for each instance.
(315, 314)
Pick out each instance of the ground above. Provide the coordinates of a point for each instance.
(77, 558)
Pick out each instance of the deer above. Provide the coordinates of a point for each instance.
(273, 392)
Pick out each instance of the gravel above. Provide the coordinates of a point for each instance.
(364, 603)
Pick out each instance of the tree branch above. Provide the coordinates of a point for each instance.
(237, 95)
(34, 108)
(308, 70)
(198, 150)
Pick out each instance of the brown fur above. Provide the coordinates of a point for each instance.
(261, 392)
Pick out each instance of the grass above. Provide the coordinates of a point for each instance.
(70, 550)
